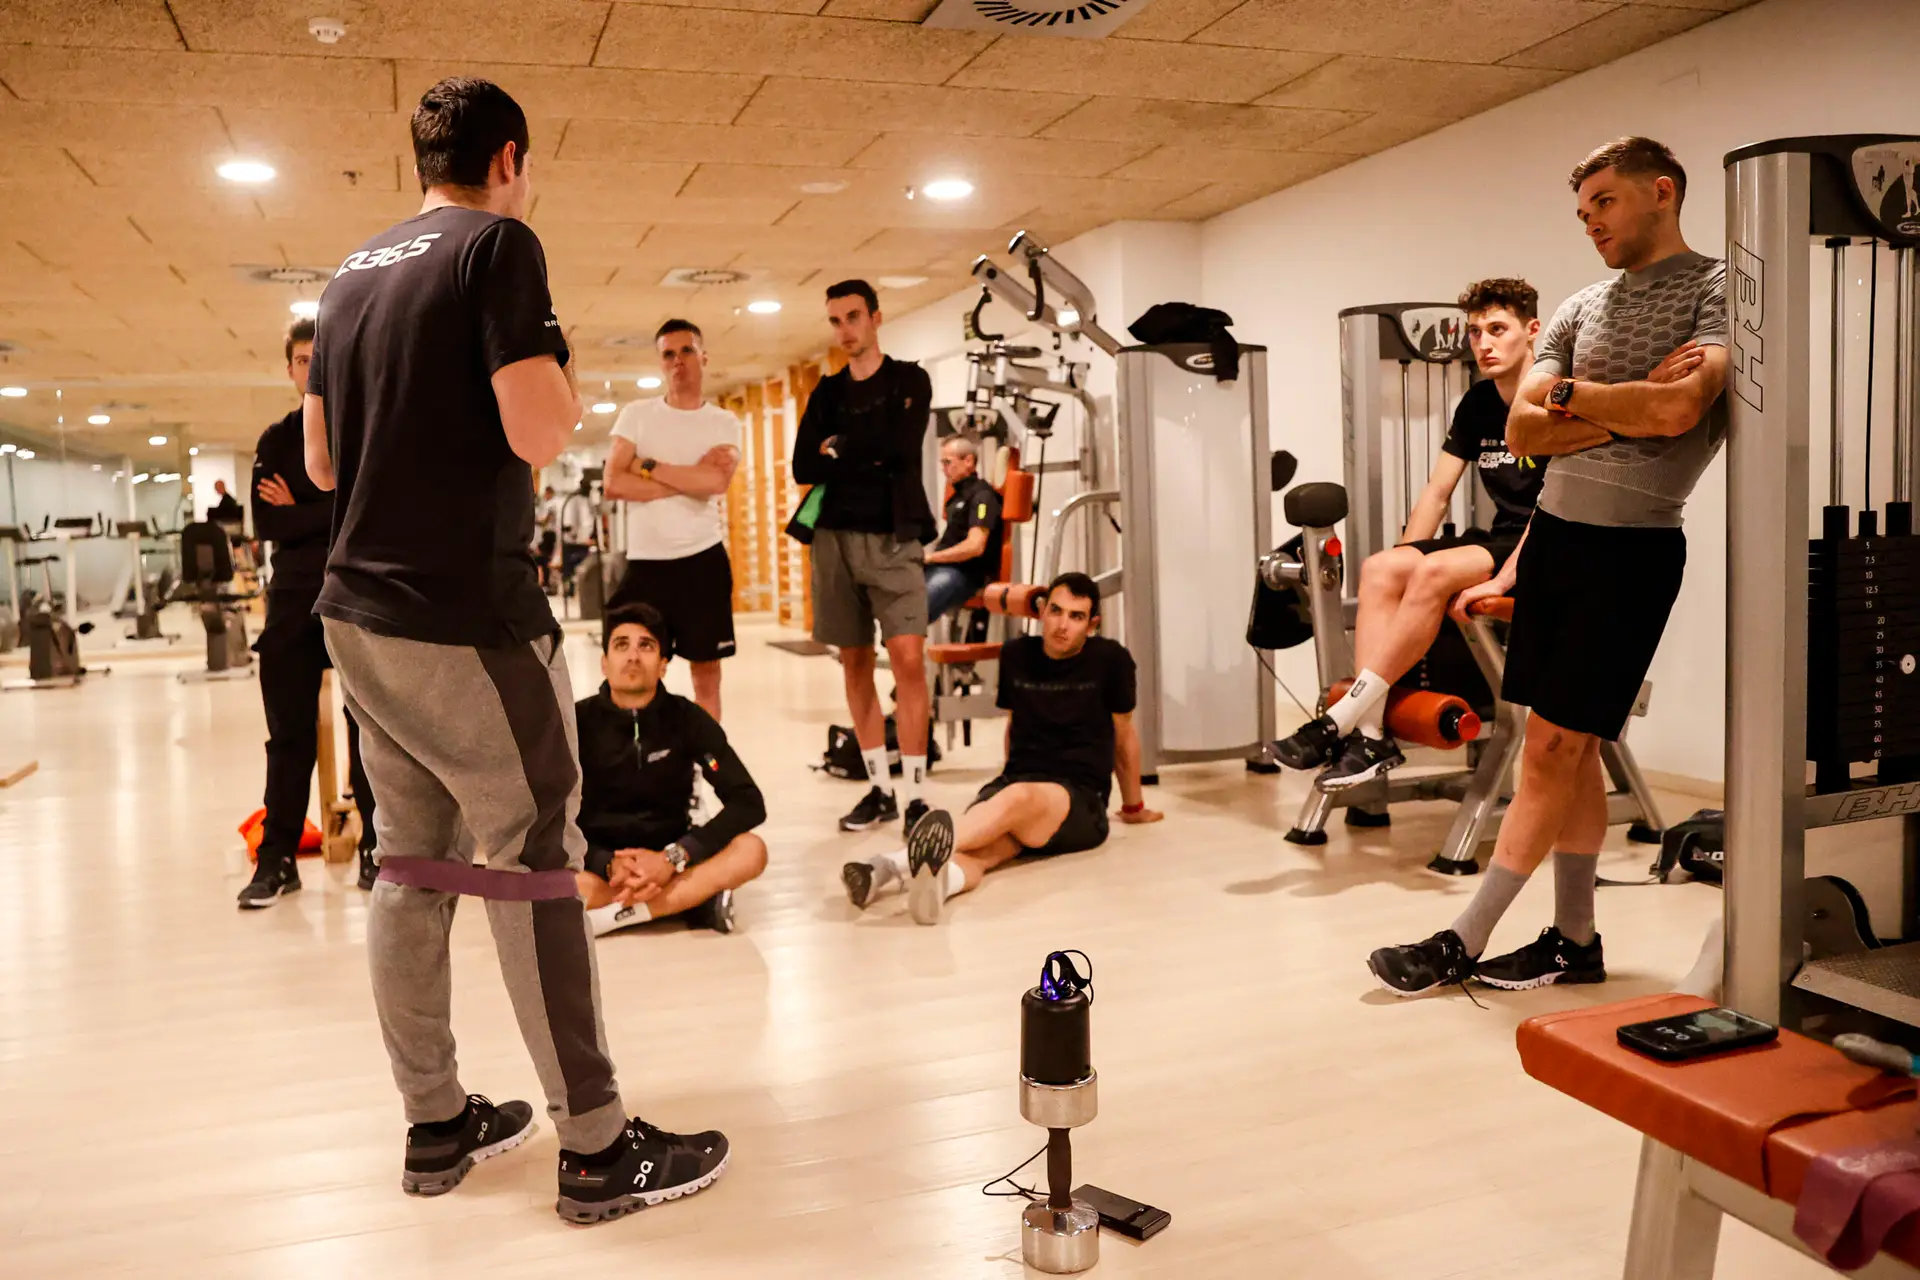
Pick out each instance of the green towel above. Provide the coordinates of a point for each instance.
(800, 528)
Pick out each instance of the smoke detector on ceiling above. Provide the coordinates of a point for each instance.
(1081, 19)
(326, 30)
(700, 277)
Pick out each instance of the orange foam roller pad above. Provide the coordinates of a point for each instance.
(1015, 599)
(1440, 720)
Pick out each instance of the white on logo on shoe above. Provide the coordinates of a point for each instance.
(640, 1178)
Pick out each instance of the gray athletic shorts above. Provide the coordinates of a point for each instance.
(861, 578)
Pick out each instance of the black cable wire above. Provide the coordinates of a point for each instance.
(1030, 1194)
(1283, 684)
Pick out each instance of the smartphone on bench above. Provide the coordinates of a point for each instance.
(1117, 1213)
(1696, 1034)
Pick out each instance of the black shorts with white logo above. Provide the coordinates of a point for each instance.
(1590, 604)
(695, 593)
(1084, 827)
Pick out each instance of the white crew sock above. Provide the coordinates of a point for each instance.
(617, 915)
(876, 759)
(1367, 693)
(1373, 723)
(913, 777)
(953, 879)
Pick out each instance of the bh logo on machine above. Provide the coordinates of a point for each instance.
(366, 259)
(1886, 802)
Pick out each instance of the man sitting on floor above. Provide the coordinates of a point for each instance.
(639, 747)
(1069, 699)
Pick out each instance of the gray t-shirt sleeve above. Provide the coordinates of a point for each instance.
(1710, 320)
(1555, 353)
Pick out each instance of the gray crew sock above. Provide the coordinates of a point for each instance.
(1573, 880)
(1498, 888)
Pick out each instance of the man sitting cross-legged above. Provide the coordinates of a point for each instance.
(1069, 695)
(639, 747)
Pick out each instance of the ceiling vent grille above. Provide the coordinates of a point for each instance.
(284, 275)
(707, 277)
(1074, 19)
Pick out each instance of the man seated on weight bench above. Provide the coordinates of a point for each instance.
(639, 747)
(1069, 697)
(967, 555)
(1404, 591)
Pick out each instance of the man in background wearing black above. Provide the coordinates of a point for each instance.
(967, 556)
(294, 515)
(861, 438)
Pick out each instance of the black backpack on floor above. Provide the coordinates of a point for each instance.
(843, 759)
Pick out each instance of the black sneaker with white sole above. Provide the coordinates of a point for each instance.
(916, 810)
(1419, 967)
(1552, 957)
(437, 1161)
(646, 1166)
(273, 879)
(1313, 745)
(875, 807)
(1363, 760)
(929, 849)
(716, 913)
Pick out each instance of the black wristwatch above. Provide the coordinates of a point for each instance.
(677, 857)
(1561, 395)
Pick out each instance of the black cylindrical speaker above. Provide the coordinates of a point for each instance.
(1056, 1037)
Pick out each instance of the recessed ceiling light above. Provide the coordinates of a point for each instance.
(96, 466)
(246, 171)
(827, 188)
(763, 307)
(947, 189)
(604, 406)
(8, 448)
(194, 452)
(305, 308)
(648, 383)
(142, 478)
(901, 282)
(99, 419)
(156, 441)
(13, 393)
(26, 455)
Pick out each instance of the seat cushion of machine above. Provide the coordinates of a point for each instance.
(1499, 608)
(1723, 1110)
(950, 655)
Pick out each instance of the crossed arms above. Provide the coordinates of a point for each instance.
(1670, 402)
(703, 479)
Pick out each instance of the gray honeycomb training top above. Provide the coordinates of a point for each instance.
(1618, 331)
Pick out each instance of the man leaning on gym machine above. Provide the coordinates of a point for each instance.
(295, 515)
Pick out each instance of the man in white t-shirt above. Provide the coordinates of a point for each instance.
(671, 460)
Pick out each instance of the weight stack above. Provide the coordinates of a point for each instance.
(1863, 657)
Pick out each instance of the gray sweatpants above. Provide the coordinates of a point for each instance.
(475, 750)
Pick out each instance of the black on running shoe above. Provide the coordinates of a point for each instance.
(1364, 760)
(1313, 745)
(875, 807)
(858, 877)
(916, 810)
(645, 1166)
(437, 1161)
(1419, 967)
(1552, 957)
(716, 913)
(273, 878)
(929, 849)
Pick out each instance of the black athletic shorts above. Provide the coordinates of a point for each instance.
(696, 595)
(1084, 827)
(1591, 602)
(1499, 545)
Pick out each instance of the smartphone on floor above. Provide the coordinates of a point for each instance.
(1696, 1035)
(1129, 1217)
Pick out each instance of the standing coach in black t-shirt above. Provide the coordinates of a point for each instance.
(1069, 698)
(861, 437)
(1404, 590)
(295, 515)
(439, 379)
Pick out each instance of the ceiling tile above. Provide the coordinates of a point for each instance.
(40, 167)
(750, 181)
(1406, 87)
(299, 173)
(112, 127)
(1211, 201)
(1135, 68)
(912, 249)
(987, 209)
(884, 10)
(640, 35)
(285, 134)
(224, 80)
(556, 32)
(748, 6)
(902, 108)
(567, 205)
(1258, 128)
(611, 182)
(1102, 199)
(109, 24)
(1174, 19)
(914, 156)
(685, 245)
(1446, 30)
(600, 241)
(1613, 35)
(1377, 133)
(1197, 165)
(600, 92)
(596, 140)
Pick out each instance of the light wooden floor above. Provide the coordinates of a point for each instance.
(189, 1091)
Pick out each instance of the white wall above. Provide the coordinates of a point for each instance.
(44, 487)
(1489, 196)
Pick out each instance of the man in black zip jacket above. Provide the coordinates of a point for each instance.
(861, 438)
(639, 747)
(296, 516)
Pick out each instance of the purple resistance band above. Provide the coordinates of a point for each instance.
(479, 882)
